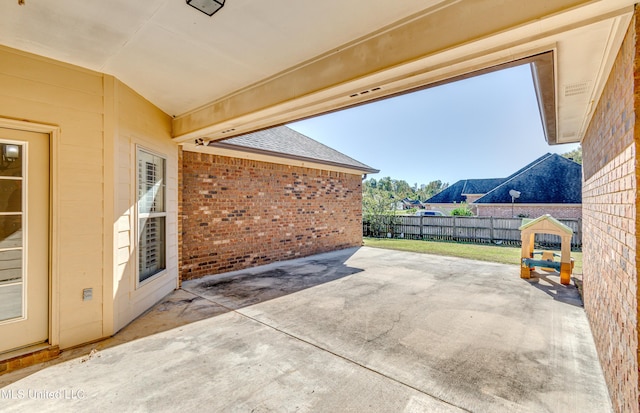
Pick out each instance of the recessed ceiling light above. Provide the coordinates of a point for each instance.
(208, 7)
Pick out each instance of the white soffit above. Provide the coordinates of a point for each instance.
(584, 61)
(179, 58)
(585, 40)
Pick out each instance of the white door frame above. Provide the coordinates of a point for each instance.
(54, 282)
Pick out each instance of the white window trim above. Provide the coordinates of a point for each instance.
(138, 215)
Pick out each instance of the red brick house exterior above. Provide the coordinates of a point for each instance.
(610, 224)
(238, 213)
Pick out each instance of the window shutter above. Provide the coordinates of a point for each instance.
(151, 215)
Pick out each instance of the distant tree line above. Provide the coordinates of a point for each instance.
(399, 189)
(381, 197)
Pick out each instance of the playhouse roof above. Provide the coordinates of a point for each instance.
(544, 222)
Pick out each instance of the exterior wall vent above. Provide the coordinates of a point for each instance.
(575, 89)
(364, 92)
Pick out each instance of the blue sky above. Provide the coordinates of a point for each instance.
(483, 127)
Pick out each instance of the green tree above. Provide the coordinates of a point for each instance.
(378, 209)
(427, 191)
(575, 155)
(385, 184)
(402, 189)
(380, 198)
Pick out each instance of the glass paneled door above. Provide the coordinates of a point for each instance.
(24, 238)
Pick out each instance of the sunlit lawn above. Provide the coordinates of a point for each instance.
(493, 253)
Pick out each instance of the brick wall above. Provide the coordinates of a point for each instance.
(531, 211)
(444, 208)
(239, 213)
(609, 202)
(180, 213)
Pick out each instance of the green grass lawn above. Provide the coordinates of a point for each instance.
(493, 253)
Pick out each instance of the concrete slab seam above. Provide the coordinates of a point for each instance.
(331, 352)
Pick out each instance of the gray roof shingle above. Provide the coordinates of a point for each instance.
(550, 179)
(455, 193)
(286, 142)
(480, 186)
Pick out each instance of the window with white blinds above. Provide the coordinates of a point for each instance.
(152, 214)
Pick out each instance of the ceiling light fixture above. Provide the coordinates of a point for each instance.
(208, 7)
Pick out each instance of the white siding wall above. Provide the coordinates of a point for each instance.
(45, 91)
(100, 121)
(141, 124)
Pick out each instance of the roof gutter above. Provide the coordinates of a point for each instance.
(542, 72)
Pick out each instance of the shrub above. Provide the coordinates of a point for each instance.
(462, 211)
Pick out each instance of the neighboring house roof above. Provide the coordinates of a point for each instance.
(410, 201)
(550, 179)
(529, 165)
(455, 193)
(285, 142)
(480, 186)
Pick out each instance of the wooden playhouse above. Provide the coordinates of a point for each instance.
(546, 224)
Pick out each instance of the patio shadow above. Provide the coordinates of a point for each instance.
(212, 296)
(243, 288)
(567, 294)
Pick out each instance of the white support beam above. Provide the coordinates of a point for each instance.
(454, 39)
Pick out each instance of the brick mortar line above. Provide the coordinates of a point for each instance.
(232, 310)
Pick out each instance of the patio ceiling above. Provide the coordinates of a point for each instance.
(256, 64)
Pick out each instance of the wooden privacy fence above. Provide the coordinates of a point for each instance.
(467, 229)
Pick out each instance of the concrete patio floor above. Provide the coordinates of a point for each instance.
(354, 330)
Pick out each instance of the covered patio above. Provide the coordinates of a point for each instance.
(102, 100)
(359, 329)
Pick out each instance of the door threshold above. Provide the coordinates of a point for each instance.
(27, 356)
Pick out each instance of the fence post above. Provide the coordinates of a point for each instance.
(455, 235)
(491, 236)
(421, 230)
